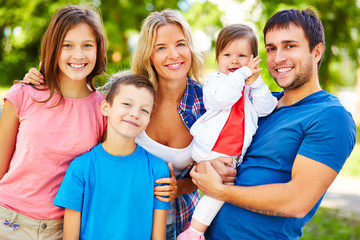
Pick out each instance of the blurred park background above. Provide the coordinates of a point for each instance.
(23, 23)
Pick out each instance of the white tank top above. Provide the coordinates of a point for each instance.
(179, 157)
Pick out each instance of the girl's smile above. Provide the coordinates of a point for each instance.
(77, 58)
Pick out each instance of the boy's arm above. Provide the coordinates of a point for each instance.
(159, 224)
(72, 220)
(9, 124)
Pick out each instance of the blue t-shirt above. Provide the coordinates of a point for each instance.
(317, 127)
(115, 195)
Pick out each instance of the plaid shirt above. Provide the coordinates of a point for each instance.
(191, 106)
(190, 109)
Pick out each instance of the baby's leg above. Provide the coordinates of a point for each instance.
(198, 224)
(207, 207)
(205, 212)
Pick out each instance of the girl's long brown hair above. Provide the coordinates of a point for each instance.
(65, 19)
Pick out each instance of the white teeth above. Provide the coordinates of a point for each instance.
(174, 65)
(282, 70)
(77, 65)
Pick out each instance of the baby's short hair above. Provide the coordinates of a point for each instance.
(236, 31)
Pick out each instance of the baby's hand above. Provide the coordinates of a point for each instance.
(253, 65)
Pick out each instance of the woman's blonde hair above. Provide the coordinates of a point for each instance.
(141, 63)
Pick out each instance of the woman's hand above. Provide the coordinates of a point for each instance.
(168, 192)
(33, 77)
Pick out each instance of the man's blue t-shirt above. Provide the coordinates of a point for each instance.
(115, 195)
(317, 127)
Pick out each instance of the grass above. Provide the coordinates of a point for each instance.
(332, 224)
(335, 224)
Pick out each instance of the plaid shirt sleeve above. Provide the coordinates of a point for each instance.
(191, 106)
(190, 109)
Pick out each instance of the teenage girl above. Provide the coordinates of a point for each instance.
(43, 128)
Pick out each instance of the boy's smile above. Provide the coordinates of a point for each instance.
(129, 113)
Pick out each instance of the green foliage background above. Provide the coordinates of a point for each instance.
(23, 23)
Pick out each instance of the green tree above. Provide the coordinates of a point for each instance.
(205, 17)
(23, 23)
(122, 20)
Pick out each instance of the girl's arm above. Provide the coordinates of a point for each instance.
(159, 224)
(72, 220)
(33, 77)
(9, 124)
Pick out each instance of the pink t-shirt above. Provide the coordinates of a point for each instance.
(48, 140)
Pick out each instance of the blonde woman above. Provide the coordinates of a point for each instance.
(167, 56)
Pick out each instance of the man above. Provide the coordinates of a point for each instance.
(297, 151)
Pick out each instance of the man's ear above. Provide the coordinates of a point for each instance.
(319, 51)
(105, 108)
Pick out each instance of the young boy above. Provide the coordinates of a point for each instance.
(108, 192)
